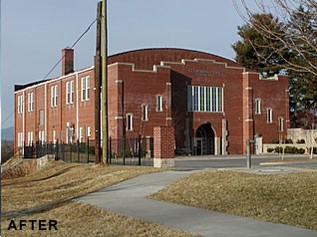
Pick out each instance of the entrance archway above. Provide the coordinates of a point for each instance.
(204, 140)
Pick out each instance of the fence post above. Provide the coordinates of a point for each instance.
(77, 150)
(110, 150)
(56, 151)
(87, 150)
(140, 149)
(124, 149)
(63, 151)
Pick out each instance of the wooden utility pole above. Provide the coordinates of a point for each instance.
(104, 101)
(97, 86)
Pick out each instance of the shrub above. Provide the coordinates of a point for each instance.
(300, 141)
(275, 141)
(288, 141)
(278, 149)
(270, 150)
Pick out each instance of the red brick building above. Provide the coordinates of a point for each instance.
(213, 104)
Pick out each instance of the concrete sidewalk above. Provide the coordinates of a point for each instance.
(129, 198)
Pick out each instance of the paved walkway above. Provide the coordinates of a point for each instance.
(128, 198)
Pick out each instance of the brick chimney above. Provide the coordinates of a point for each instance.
(67, 61)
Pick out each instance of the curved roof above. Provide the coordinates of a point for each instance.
(146, 58)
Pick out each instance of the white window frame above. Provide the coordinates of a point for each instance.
(281, 124)
(145, 112)
(30, 138)
(87, 88)
(20, 104)
(83, 88)
(54, 95)
(67, 92)
(257, 106)
(70, 92)
(159, 103)
(20, 139)
(31, 102)
(269, 115)
(80, 134)
(54, 136)
(205, 99)
(88, 131)
(129, 121)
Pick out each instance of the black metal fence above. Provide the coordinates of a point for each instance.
(132, 151)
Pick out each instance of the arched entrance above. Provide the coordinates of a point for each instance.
(204, 140)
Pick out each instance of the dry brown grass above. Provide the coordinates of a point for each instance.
(284, 198)
(79, 219)
(17, 171)
(48, 194)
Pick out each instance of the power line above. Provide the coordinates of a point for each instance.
(54, 67)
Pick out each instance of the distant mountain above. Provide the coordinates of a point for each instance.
(7, 134)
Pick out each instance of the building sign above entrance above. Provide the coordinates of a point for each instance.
(204, 73)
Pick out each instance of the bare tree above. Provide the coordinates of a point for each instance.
(296, 35)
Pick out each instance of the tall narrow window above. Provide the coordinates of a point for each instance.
(56, 95)
(145, 112)
(72, 91)
(41, 114)
(30, 102)
(54, 136)
(88, 132)
(196, 98)
(30, 138)
(67, 92)
(83, 89)
(220, 99)
(269, 115)
(130, 122)
(159, 103)
(87, 87)
(80, 134)
(281, 124)
(20, 104)
(257, 106)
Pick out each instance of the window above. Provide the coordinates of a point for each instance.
(20, 139)
(80, 134)
(54, 136)
(159, 103)
(88, 131)
(257, 106)
(41, 113)
(269, 116)
(20, 104)
(85, 88)
(54, 96)
(145, 112)
(281, 124)
(30, 138)
(41, 137)
(70, 92)
(205, 99)
(30, 102)
(130, 122)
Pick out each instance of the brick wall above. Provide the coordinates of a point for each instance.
(163, 142)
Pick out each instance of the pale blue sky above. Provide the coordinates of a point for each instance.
(34, 32)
